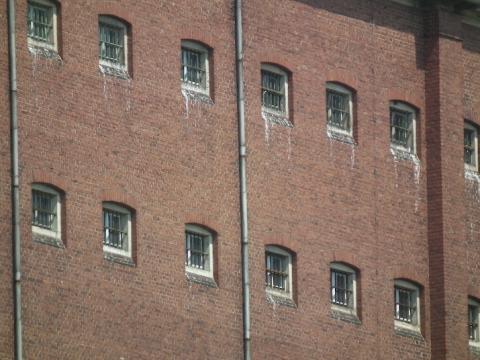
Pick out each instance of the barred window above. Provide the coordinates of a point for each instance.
(46, 211)
(406, 305)
(112, 43)
(470, 146)
(342, 287)
(198, 250)
(194, 70)
(278, 271)
(117, 230)
(473, 319)
(402, 127)
(339, 108)
(274, 89)
(473, 322)
(41, 24)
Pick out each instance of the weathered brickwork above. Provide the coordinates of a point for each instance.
(173, 159)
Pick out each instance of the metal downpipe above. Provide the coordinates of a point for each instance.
(243, 178)
(17, 300)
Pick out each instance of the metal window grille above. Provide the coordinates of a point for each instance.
(39, 22)
(338, 110)
(473, 322)
(401, 128)
(276, 274)
(193, 69)
(405, 305)
(112, 44)
(44, 210)
(273, 91)
(115, 229)
(197, 248)
(341, 288)
(469, 147)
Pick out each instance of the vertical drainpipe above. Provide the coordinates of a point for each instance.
(15, 182)
(243, 178)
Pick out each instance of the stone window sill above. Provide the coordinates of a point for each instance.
(119, 259)
(201, 280)
(48, 240)
(280, 300)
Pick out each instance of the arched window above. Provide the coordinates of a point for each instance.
(407, 305)
(46, 214)
(403, 119)
(113, 43)
(278, 271)
(343, 288)
(199, 250)
(117, 230)
(339, 109)
(195, 67)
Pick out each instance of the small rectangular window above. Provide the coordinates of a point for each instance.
(401, 125)
(44, 210)
(341, 287)
(470, 146)
(197, 248)
(473, 322)
(199, 251)
(405, 305)
(193, 67)
(276, 271)
(42, 24)
(339, 109)
(117, 231)
(112, 44)
(273, 95)
(46, 215)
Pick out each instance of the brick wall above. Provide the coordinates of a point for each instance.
(174, 161)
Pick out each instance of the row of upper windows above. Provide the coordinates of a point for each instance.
(194, 73)
(199, 262)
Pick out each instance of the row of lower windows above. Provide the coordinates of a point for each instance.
(199, 260)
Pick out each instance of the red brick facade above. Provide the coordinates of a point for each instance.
(174, 160)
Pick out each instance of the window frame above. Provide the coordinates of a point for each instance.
(197, 229)
(57, 233)
(415, 324)
(288, 292)
(204, 59)
(469, 126)
(54, 13)
(285, 77)
(402, 107)
(124, 211)
(343, 90)
(476, 304)
(352, 279)
(114, 22)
